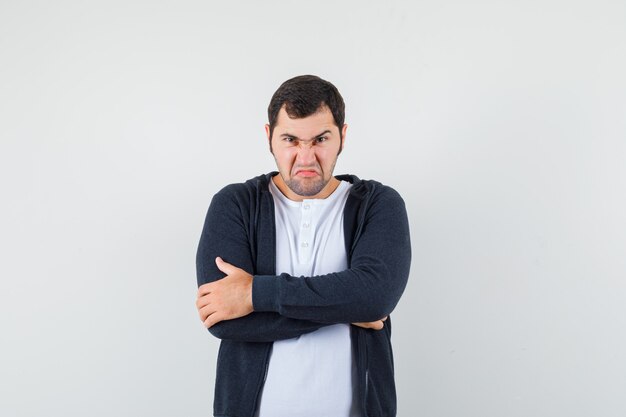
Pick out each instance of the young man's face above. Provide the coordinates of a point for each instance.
(306, 151)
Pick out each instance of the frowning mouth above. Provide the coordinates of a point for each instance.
(306, 172)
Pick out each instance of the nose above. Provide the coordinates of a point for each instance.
(306, 155)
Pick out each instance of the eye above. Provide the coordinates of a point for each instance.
(321, 139)
(289, 139)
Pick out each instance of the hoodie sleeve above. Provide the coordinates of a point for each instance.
(369, 290)
(225, 234)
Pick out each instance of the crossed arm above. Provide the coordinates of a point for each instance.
(231, 298)
(236, 305)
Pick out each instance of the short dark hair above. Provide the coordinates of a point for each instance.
(303, 96)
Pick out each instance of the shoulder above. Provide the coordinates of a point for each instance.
(245, 189)
(243, 195)
(371, 190)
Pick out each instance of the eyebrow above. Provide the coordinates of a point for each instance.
(289, 135)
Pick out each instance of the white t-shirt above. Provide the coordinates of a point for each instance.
(311, 375)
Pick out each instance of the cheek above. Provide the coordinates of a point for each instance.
(325, 157)
(285, 158)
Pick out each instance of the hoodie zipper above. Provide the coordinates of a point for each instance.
(364, 362)
(361, 335)
(262, 383)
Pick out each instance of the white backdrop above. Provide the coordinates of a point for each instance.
(502, 123)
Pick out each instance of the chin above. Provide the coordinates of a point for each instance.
(306, 191)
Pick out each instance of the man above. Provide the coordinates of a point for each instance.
(298, 271)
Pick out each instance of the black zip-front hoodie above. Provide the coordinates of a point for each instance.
(240, 227)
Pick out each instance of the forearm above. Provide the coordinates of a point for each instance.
(311, 298)
(263, 327)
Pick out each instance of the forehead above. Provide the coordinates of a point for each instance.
(316, 122)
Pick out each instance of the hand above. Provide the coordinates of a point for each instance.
(376, 325)
(227, 298)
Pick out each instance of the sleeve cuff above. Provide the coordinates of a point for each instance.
(265, 293)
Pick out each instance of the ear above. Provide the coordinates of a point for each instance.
(343, 137)
(267, 133)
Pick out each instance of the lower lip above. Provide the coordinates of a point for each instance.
(307, 173)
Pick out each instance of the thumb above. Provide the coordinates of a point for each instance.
(225, 267)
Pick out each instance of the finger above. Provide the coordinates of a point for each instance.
(206, 311)
(204, 289)
(212, 320)
(384, 318)
(202, 301)
(376, 325)
(225, 267)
